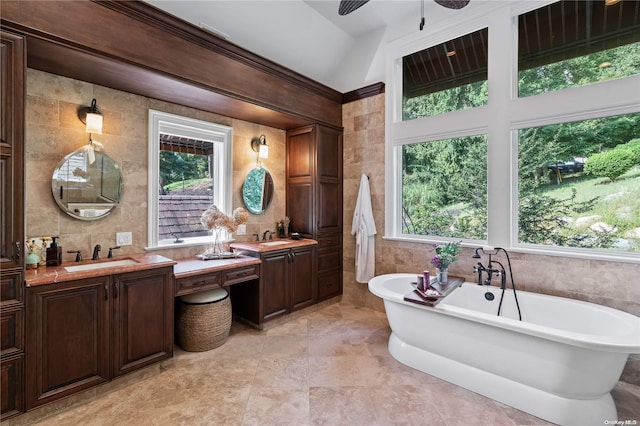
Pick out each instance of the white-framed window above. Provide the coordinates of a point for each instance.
(509, 121)
(190, 169)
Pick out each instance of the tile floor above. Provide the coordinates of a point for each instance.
(328, 367)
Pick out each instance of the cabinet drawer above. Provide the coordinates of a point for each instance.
(329, 260)
(241, 274)
(197, 283)
(329, 285)
(11, 331)
(11, 386)
(11, 287)
(329, 242)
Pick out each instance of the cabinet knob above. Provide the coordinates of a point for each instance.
(106, 292)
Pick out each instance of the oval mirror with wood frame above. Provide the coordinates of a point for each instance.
(257, 190)
(87, 184)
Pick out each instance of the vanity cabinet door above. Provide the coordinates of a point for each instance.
(275, 298)
(67, 338)
(302, 280)
(142, 318)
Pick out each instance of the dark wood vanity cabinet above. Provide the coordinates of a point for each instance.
(287, 283)
(314, 198)
(287, 280)
(12, 233)
(85, 332)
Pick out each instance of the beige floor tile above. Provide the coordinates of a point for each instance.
(277, 406)
(341, 406)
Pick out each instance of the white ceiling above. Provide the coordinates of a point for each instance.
(308, 36)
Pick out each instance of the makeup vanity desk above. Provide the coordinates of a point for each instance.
(194, 275)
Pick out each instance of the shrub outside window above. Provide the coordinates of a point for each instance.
(444, 191)
(579, 184)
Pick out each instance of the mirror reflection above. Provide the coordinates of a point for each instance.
(87, 184)
(257, 190)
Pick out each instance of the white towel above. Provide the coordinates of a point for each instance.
(364, 228)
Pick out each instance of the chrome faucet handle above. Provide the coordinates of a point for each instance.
(256, 236)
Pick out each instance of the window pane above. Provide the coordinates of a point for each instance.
(444, 188)
(575, 43)
(579, 184)
(186, 186)
(447, 77)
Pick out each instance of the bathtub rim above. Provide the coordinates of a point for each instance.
(620, 344)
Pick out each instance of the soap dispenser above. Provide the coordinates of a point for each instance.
(54, 253)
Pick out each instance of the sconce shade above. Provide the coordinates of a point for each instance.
(260, 146)
(92, 118)
(94, 123)
(264, 151)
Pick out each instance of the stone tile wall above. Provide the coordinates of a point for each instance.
(607, 283)
(53, 130)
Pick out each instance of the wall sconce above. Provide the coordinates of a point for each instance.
(260, 146)
(91, 117)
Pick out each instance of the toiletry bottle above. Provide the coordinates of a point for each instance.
(32, 259)
(54, 253)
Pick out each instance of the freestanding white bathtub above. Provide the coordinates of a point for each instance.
(559, 363)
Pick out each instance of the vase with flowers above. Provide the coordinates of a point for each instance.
(215, 220)
(445, 255)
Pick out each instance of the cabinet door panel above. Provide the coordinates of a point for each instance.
(274, 282)
(142, 319)
(12, 94)
(300, 208)
(300, 148)
(303, 286)
(329, 153)
(329, 216)
(67, 339)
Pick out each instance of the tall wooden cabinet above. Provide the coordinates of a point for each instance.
(314, 198)
(12, 232)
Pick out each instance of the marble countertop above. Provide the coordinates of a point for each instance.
(56, 274)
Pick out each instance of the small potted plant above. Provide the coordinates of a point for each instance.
(445, 255)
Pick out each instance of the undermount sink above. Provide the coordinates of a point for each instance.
(100, 265)
(275, 243)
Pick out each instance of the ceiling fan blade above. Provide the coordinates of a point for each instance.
(348, 6)
(452, 4)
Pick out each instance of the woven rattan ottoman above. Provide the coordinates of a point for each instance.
(203, 320)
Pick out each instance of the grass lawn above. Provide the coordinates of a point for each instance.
(618, 202)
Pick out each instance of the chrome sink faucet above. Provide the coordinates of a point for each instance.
(96, 252)
(264, 235)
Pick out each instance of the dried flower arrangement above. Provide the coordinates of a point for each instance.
(213, 218)
(216, 220)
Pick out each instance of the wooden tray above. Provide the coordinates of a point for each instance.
(445, 290)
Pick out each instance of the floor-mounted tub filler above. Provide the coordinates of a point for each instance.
(559, 363)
